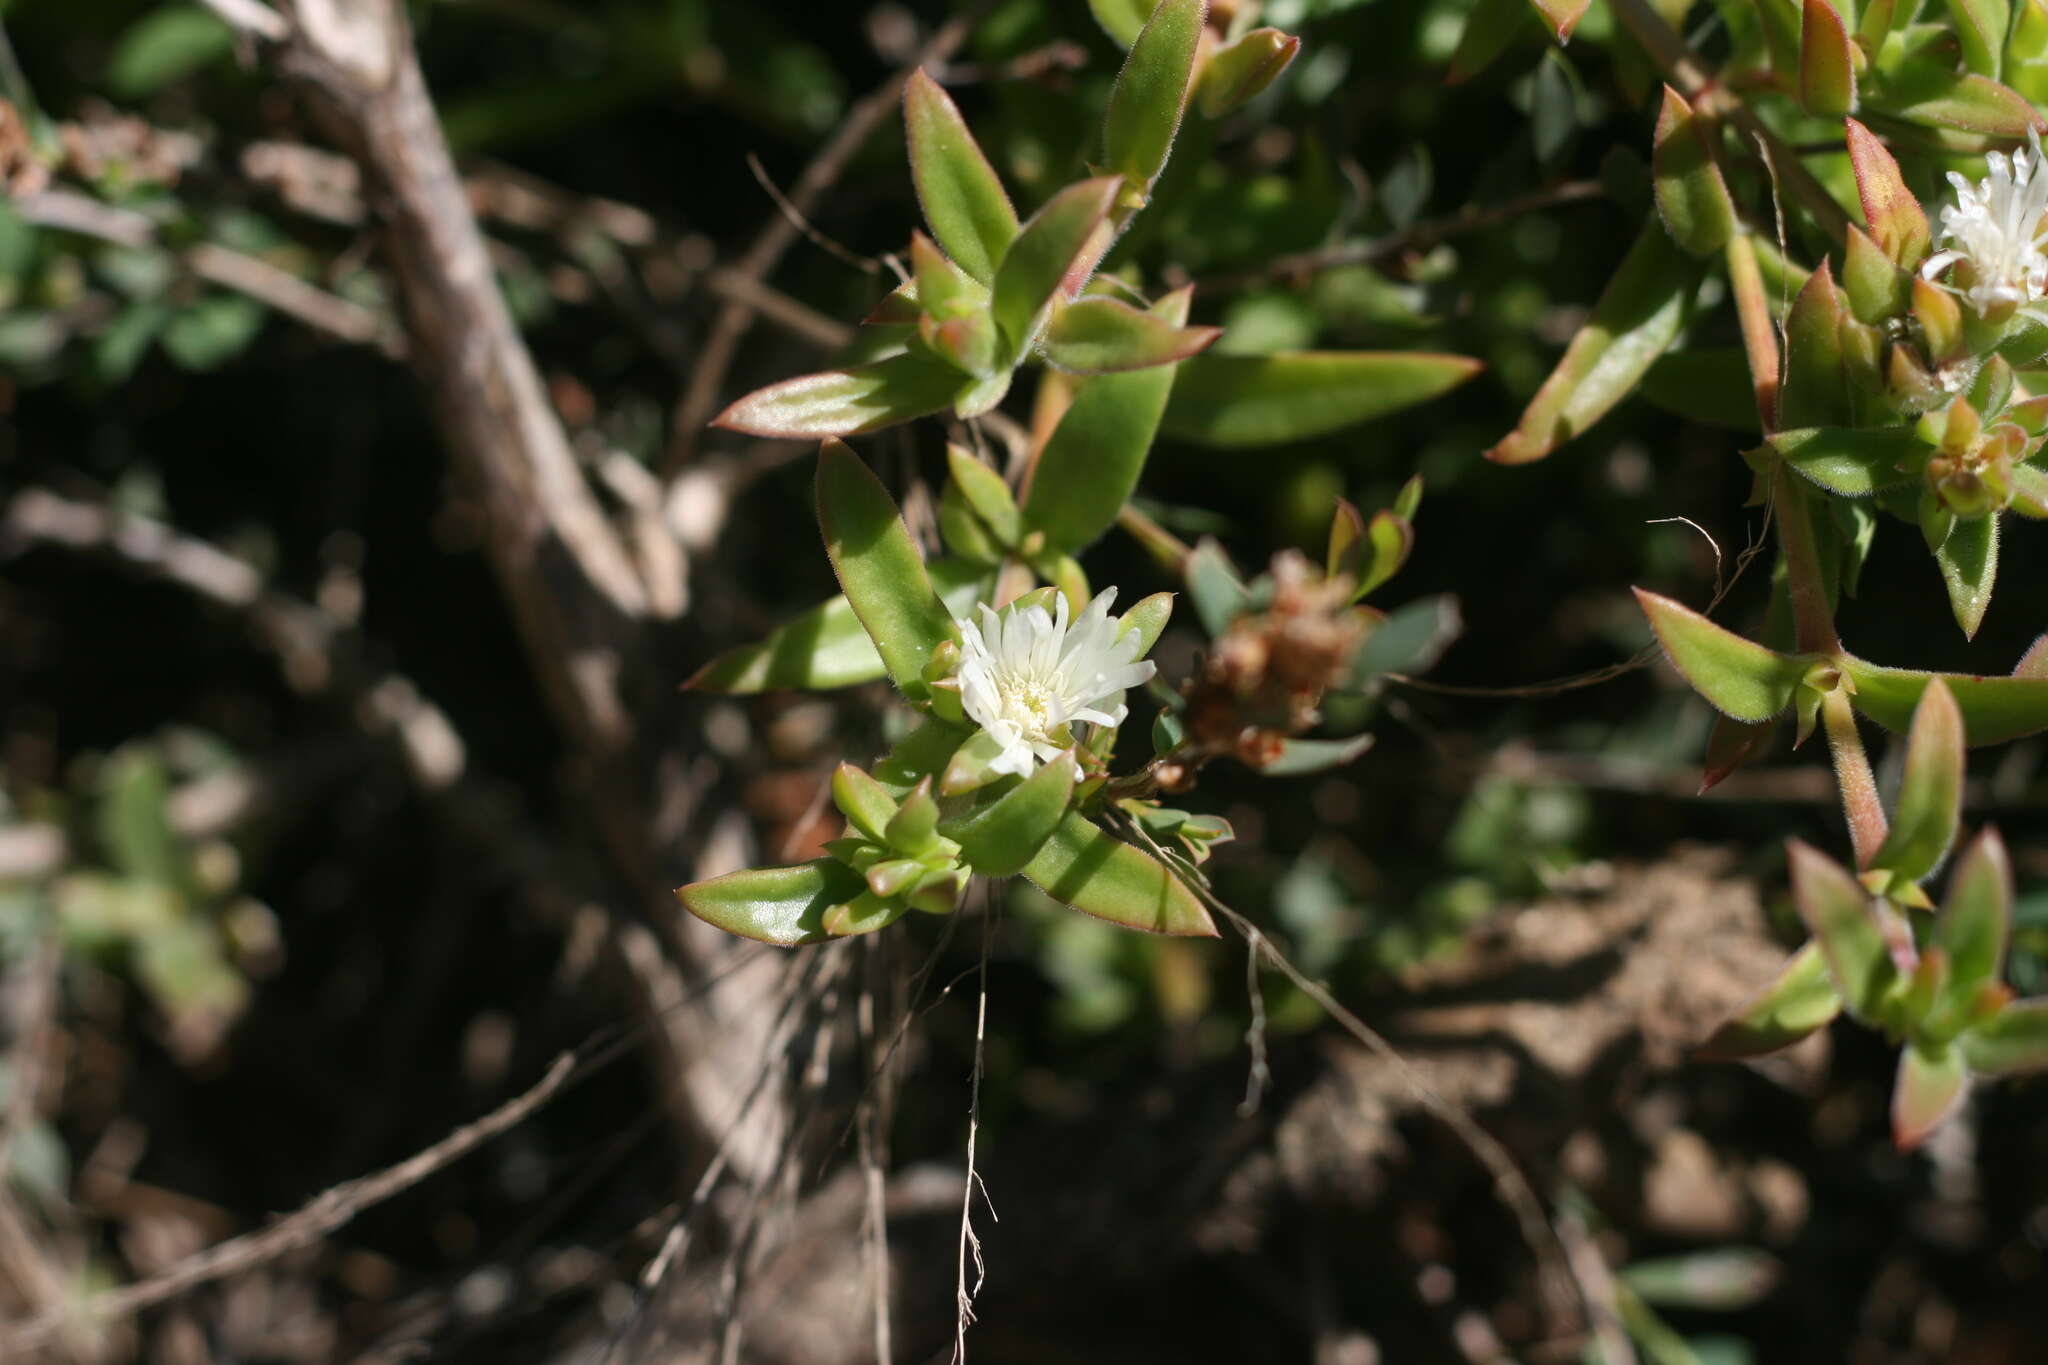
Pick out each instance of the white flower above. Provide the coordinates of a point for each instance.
(1026, 676)
(1996, 227)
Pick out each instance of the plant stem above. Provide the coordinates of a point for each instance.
(1759, 333)
(1814, 619)
(1169, 549)
(1710, 97)
(1860, 806)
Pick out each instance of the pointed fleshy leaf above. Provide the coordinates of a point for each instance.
(1995, 709)
(1976, 918)
(1002, 837)
(898, 307)
(913, 829)
(1242, 400)
(866, 803)
(1853, 461)
(825, 647)
(1925, 90)
(1968, 560)
(1239, 70)
(962, 197)
(1897, 222)
(1930, 1082)
(1801, 999)
(1122, 19)
(1048, 249)
(1827, 69)
(1489, 29)
(1930, 801)
(2012, 1042)
(964, 532)
(1981, 27)
(1347, 535)
(987, 494)
(1151, 91)
(1408, 642)
(1738, 677)
(968, 770)
(1692, 198)
(846, 402)
(780, 905)
(1877, 289)
(1731, 743)
(1091, 464)
(1638, 316)
(1300, 757)
(1102, 335)
(1392, 539)
(1815, 393)
(1838, 914)
(1083, 866)
(1561, 16)
(1219, 594)
(1148, 617)
(863, 914)
(878, 566)
(944, 290)
(922, 753)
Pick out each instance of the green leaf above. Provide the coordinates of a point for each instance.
(826, 647)
(1240, 70)
(944, 290)
(1816, 391)
(1082, 866)
(1408, 642)
(1151, 91)
(1001, 838)
(961, 196)
(1051, 256)
(2013, 1041)
(1738, 677)
(865, 803)
(1122, 19)
(1837, 912)
(1931, 793)
(1981, 27)
(1233, 400)
(968, 769)
(1300, 757)
(1925, 90)
(133, 819)
(1637, 318)
(1489, 29)
(1101, 335)
(879, 567)
(847, 402)
(1721, 1280)
(780, 905)
(987, 494)
(1853, 461)
(1346, 545)
(1877, 289)
(913, 829)
(1800, 1000)
(1392, 538)
(1091, 464)
(1219, 595)
(166, 45)
(1730, 744)
(1692, 198)
(1827, 70)
(1994, 709)
(1897, 222)
(1930, 1082)
(1148, 617)
(1968, 560)
(864, 914)
(1976, 918)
